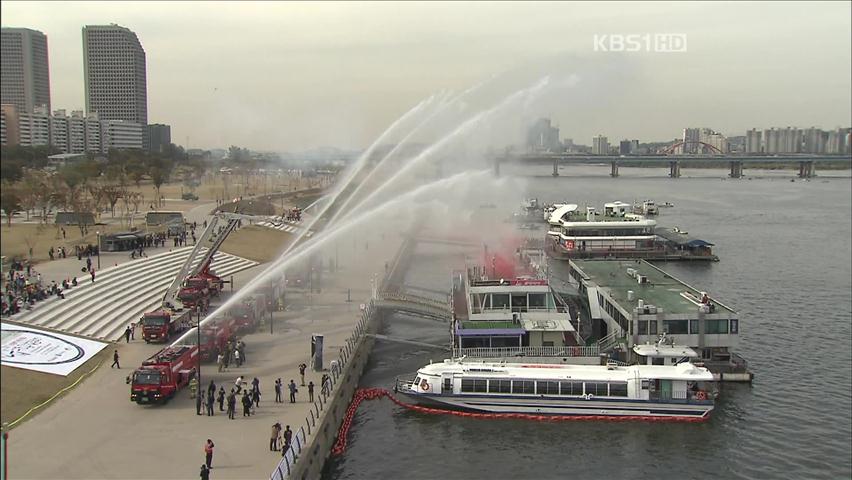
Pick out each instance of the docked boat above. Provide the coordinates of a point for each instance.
(679, 391)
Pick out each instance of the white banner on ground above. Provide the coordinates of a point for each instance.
(43, 351)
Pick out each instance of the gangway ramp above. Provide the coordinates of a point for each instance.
(120, 295)
(414, 305)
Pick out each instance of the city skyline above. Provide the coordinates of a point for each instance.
(303, 76)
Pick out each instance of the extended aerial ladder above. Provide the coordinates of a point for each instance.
(218, 228)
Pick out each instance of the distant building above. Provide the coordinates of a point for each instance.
(624, 147)
(634, 147)
(11, 134)
(752, 143)
(24, 70)
(77, 132)
(34, 128)
(158, 137)
(59, 137)
(691, 137)
(814, 141)
(542, 137)
(600, 145)
(115, 76)
(120, 134)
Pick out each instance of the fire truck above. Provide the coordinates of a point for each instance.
(161, 376)
(249, 313)
(215, 336)
(194, 293)
(159, 325)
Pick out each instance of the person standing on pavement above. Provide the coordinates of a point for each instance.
(273, 440)
(293, 391)
(246, 401)
(302, 369)
(205, 473)
(232, 404)
(92, 273)
(255, 397)
(115, 361)
(211, 400)
(127, 332)
(311, 391)
(208, 454)
(278, 391)
(288, 437)
(221, 398)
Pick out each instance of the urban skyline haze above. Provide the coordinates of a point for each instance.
(295, 76)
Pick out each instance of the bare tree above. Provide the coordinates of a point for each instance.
(10, 201)
(112, 194)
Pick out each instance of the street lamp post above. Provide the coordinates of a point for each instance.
(198, 341)
(99, 248)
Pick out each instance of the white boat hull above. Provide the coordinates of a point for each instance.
(575, 406)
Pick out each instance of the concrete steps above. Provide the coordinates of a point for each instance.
(120, 295)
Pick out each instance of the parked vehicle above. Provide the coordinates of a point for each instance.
(162, 375)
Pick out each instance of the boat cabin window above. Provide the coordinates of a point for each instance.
(417, 380)
(500, 386)
(474, 385)
(597, 389)
(658, 361)
(537, 301)
(676, 326)
(523, 386)
(716, 326)
(519, 302)
(693, 327)
(570, 388)
(618, 389)
(499, 301)
(735, 325)
(547, 388)
(647, 327)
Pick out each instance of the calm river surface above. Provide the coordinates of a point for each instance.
(785, 266)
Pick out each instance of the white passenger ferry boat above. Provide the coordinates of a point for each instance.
(552, 389)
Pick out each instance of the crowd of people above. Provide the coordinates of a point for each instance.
(24, 287)
(292, 214)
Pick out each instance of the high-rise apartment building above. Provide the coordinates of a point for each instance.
(115, 74)
(34, 128)
(24, 70)
(752, 143)
(59, 131)
(600, 145)
(691, 137)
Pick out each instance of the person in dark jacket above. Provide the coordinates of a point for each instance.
(205, 473)
(221, 399)
(246, 404)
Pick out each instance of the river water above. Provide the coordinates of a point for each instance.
(785, 266)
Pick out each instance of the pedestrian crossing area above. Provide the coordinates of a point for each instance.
(285, 227)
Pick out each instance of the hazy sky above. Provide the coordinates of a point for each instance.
(293, 76)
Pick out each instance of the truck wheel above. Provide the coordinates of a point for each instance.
(147, 341)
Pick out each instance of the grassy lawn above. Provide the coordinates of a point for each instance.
(24, 389)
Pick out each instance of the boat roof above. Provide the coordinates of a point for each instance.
(654, 350)
(552, 324)
(557, 214)
(681, 371)
(661, 290)
(681, 238)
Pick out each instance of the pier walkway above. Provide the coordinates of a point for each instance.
(414, 305)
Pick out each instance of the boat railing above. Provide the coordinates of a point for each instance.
(698, 397)
(501, 352)
(403, 385)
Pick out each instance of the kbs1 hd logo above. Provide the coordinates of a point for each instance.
(648, 42)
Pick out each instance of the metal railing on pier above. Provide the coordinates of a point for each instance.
(285, 466)
(501, 352)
